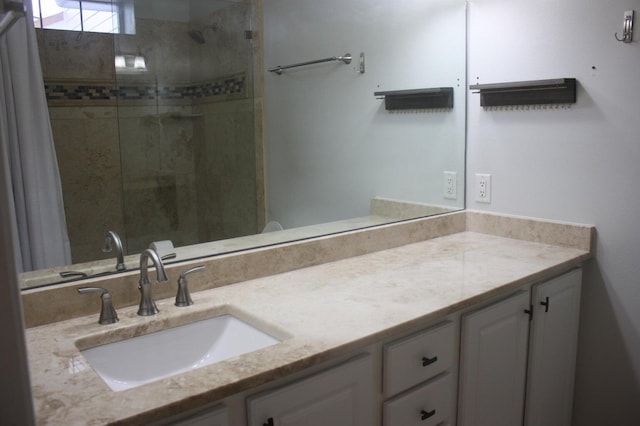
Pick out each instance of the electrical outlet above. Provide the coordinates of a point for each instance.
(450, 185)
(483, 188)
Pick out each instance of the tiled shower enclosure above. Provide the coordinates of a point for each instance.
(169, 153)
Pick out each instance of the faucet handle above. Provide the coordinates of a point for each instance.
(183, 298)
(108, 314)
(73, 274)
(168, 256)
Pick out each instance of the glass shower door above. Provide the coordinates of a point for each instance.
(186, 123)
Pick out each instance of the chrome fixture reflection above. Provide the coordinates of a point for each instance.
(10, 12)
(130, 64)
(111, 238)
(197, 35)
(147, 304)
(346, 58)
(73, 274)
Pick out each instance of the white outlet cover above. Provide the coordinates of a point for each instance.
(483, 188)
(450, 185)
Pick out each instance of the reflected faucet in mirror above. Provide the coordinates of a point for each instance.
(111, 238)
(147, 304)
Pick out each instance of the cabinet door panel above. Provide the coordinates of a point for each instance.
(340, 396)
(554, 339)
(493, 363)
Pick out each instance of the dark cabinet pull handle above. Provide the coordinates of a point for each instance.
(428, 361)
(545, 304)
(529, 312)
(269, 422)
(427, 414)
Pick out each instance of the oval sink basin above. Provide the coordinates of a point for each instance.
(144, 359)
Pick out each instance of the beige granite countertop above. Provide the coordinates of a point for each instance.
(324, 311)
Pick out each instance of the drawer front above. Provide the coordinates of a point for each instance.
(417, 358)
(212, 416)
(429, 405)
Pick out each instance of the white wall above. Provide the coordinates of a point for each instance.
(580, 164)
(330, 144)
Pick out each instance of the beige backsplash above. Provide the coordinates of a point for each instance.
(50, 304)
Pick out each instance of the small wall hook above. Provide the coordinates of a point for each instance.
(627, 27)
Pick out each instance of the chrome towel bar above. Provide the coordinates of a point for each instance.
(346, 58)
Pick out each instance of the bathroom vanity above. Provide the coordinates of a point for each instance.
(422, 332)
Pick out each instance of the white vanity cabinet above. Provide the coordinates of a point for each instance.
(418, 375)
(507, 363)
(340, 396)
(493, 362)
(527, 341)
(553, 346)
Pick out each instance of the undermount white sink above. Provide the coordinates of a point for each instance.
(144, 359)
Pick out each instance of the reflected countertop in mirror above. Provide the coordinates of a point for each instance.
(387, 211)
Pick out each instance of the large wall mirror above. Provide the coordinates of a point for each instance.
(171, 128)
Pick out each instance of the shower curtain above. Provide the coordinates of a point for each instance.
(28, 154)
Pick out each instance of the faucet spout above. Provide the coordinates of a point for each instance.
(147, 304)
(111, 238)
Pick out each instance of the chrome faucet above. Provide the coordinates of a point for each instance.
(147, 304)
(111, 237)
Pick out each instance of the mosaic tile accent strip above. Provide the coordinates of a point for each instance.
(79, 92)
(231, 85)
(135, 93)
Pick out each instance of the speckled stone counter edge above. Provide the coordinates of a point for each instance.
(61, 302)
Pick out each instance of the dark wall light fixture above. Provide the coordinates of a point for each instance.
(535, 92)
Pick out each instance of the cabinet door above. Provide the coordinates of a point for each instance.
(552, 357)
(340, 396)
(493, 362)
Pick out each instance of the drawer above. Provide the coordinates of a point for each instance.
(211, 416)
(417, 358)
(428, 405)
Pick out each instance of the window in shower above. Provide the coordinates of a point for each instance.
(102, 16)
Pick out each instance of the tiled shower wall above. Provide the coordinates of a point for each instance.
(168, 154)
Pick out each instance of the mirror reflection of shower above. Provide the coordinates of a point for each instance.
(188, 155)
(164, 151)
